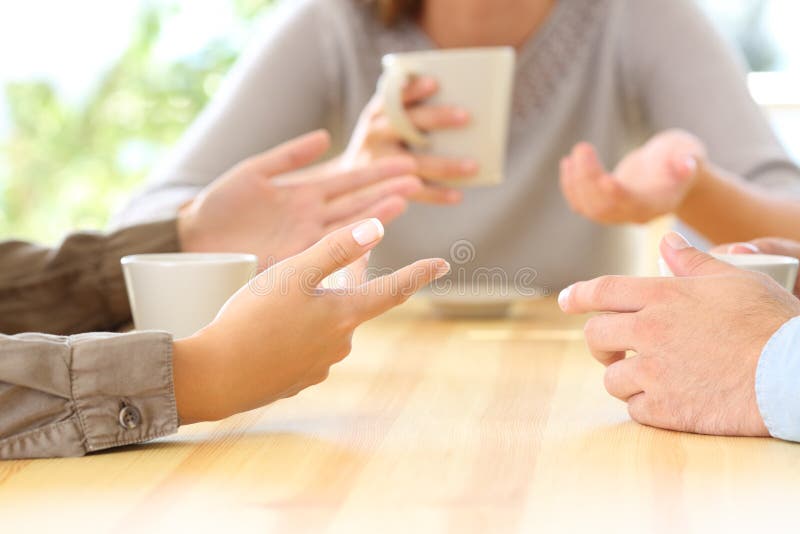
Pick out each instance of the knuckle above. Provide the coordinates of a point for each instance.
(593, 329)
(643, 328)
(346, 349)
(697, 262)
(769, 245)
(321, 376)
(610, 378)
(295, 158)
(349, 324)
(651, 369)
(639, 409)
(601, 287)
(338, 253)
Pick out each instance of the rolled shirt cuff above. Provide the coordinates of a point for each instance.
(122, 387)
(90, 391)
(778, 382)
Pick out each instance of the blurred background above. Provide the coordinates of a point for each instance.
(93, 93)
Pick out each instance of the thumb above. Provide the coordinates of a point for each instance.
(736, 248)
(743, 248)
(336, 251)
(685, 260)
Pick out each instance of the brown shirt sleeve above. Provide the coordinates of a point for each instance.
(78, 286)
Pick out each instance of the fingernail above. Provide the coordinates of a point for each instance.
(743, 248)
(453, 196)
(691, 164)
(427, 82)
(368, 232)
(469, 166)
(460, 115)
(442, 268)
(563, 297)
(676, 241)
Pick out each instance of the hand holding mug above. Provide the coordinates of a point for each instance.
(777, 246)
(448, 109)
(697, 340)
(375, 137)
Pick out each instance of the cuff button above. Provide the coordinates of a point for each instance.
(129, 417)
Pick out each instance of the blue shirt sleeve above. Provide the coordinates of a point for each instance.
(778, 382)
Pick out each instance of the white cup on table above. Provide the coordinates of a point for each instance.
(782, 269)
(183, 292)
(479, 80)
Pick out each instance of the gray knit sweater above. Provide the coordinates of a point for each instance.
(611, 72)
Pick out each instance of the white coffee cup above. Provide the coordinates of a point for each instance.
(783, 269)
(182, 293)
(479, 80)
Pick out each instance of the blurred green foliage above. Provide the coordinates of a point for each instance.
(68, 165)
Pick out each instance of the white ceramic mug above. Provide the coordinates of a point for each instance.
(479, 80)
(182, 293)
(783, 269)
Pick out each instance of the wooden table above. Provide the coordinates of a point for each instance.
(430, 426)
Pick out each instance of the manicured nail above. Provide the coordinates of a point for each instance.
(743, 248)
(676, 241)
(563, 297)
(368, 232)
(442, 268)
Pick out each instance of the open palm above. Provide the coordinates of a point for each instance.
(649, 182)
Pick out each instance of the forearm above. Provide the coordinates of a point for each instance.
(191, 373)
(725, 208)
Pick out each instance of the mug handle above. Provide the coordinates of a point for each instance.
(390, 89)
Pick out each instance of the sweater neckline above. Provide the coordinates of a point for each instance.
(528, 48)
(543, 60)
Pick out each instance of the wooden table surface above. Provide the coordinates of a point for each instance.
(429, 426)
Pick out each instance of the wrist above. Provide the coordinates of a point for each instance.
(193, 379)
(702, 182)
(188, 236)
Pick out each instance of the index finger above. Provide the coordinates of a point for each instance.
(610, 294)
(382, 294)
(418, 89)
(335, 251)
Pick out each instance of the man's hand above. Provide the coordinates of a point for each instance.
(651, 181)
(282, 332)
(697, 339)
(263, 206)
(765, 245)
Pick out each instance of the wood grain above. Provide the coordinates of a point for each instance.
(429, 426)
